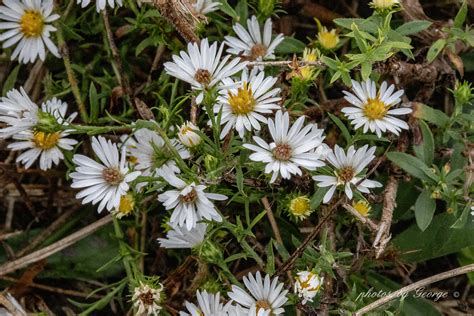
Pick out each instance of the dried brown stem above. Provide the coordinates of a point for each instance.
(383, 230)
(364, 220)
(411, 287)
(47, 232)
(54, 289)
(54, 248)
(288, 264)
(179, 13)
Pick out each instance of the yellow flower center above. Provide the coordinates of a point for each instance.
(258, 50)
(300, 206)
(262, 304)
(375, 109)
(46, 140)
(345, 174)
(243, 101)
(32, 23)
(327, 39)
(127, 204)
(362, 207)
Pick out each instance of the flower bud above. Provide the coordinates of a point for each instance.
(188, 136)
(384, 4)
(307, 285)
(300, 207)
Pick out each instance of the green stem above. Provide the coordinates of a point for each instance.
(127, 259)
(64, 51)
(95, 130)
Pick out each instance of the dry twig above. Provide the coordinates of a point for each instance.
(54, 248)
(411, 287)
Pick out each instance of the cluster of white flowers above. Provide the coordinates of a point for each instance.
(261, 297)
(246, 101)
(24, 122)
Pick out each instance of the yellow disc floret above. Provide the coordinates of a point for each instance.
(300, 207)
(328, 39)
(44, 140)
(243, 101)
(362, 207)
(375, 109)
(127, 204)
(32, 23)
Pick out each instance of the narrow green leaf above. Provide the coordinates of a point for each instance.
(242, 10)
(461, 16)
(342, 127)
(10, 82)
(425, 208)
(431, 115)
(270, 267)
(366, 70)
(413, 166)
(425, 150)
(93, 103)
(462, 220)
(290, 45)
(227, 9)
(435, 49)
(413, 27)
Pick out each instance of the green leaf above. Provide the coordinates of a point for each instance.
(425, 150)
(461, 16)
(436, 241)
(342, 127)
(242, 10)
(270, 267)
(435, 49)
(413, 166)
(10, 82)
(331, 63)
(363, 24)
(413, 27)
(227, 9)
(360, 40)
(366, 70)
(290, 45)
(317, 197)
(431, 115)
(425, 207)
(93, 103)
(461, 221)
(149, 41)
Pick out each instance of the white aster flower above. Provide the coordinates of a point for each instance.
(266, 297)
(147, 299)
(47, 146)
(190, 203)
(252, 44)
(202, 67)
(100, 4)
(188, 136)
(235, 310)
(307, 285)
(348, 171)
(151, 155)
(243, 103)
(291, 149)
(18, 112)
(180, 237)
(26, 22)
(106, 182)
(373, 110)
(208, 305)
(205, 6)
